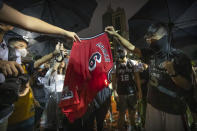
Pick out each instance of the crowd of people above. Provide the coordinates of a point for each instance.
(162, 80)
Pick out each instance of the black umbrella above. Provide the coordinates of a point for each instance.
(68, 14)
(178, 15)
(73, 15)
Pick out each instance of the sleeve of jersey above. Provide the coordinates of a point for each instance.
(88, 71)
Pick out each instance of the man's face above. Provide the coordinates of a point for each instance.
(5, 27)
(20, 45)
(122, 54)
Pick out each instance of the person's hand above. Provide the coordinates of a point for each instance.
(73, 36)
(24, 90)
(59, 47)
(66, 53)
(11, 68)
(110, 30)
(169, 66)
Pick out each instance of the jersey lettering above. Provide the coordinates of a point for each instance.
(96, 57)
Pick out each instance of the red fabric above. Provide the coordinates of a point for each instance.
(85, 82)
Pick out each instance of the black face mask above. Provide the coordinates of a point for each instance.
(122, 56)
(160, 45)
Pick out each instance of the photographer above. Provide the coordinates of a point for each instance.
(23, 116)
(8, 67)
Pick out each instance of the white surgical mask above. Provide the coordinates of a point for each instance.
(23, 52)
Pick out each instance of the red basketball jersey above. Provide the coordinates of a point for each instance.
(88, 72)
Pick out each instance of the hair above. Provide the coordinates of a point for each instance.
(12, 41)
(159, 29)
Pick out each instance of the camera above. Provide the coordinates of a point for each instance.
(11, 88)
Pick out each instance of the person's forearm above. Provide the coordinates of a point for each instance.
(44, 59)
(127, 44)
(124, 42)
(14, 17)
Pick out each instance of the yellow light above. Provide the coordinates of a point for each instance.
(106, 83)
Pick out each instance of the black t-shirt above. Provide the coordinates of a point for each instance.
(125, 79)
(182, 66)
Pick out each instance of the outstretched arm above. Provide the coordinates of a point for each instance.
(110, 30)
(16, 18)
(49, 56)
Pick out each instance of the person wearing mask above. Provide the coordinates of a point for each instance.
(128, 87)
(13, 17)
(7, 67)
(168, 83)
(23, 116)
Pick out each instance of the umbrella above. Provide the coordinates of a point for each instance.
(73, 15)
(68, 14)
(178, 15)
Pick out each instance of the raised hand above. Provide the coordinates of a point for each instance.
(110, 30)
